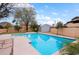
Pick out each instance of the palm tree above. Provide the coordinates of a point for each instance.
(59, 26)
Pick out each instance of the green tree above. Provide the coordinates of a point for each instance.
(5, 9)
(59, 26)
(7, 26)
(25, 15)
(34, 26)
(16, 27)
(1, 27)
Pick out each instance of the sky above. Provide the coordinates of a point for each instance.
(54, 12)
(51, 13)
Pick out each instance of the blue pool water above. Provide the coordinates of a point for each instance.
(47, 44)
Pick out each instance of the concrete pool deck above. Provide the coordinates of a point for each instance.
(5, 51)
(22, 47)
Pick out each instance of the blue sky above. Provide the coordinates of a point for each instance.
(51, 13)
(55, 12)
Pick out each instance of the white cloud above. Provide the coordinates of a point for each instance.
(58, 20)
(54, 13)
(22, 5)
(42, 19)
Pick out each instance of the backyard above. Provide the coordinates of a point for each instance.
(23, 31)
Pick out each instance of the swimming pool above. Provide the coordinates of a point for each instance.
(47, 44)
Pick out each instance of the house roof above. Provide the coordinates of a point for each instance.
(5, 23)
(74, 20)
(46, 25)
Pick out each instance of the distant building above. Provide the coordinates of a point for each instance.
(45, 28)
(3, 24)
(73, 23)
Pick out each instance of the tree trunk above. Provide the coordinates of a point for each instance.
(62, 31)
(57, 31)
(27, 26)
(7, 30)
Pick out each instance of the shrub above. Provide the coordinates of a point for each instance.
(16, 27)
(71, 49)
(34, 27)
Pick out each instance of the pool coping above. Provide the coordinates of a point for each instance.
(58, 35)
(52, 35)
(41, 33)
